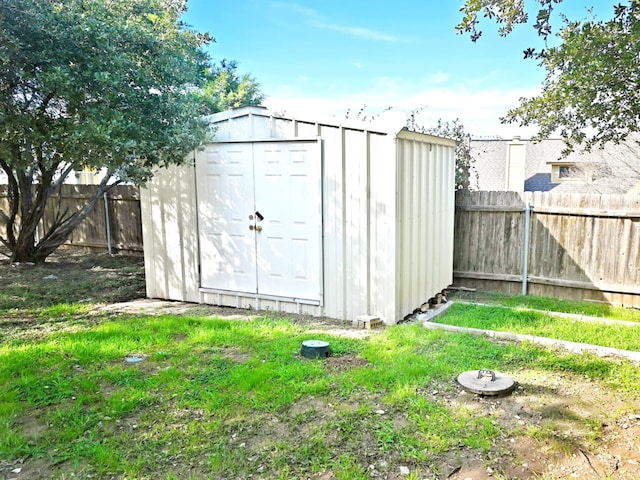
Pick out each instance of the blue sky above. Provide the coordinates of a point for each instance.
(322, 58)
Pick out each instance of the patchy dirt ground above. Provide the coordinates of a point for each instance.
(555, 427)
(570, 429)
(562, 426)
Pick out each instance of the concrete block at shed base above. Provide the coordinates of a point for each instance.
(367, 322)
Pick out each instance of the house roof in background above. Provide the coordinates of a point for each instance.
(613, 169)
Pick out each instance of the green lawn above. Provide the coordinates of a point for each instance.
(221, 398)
(517, 320)
(222, 380)
(593, 309)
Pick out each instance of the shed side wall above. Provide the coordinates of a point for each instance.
(333, 223)
(359, 209)
(382, 236)
(169, 229)
(425, 215)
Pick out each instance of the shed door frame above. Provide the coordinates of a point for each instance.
(237, 183)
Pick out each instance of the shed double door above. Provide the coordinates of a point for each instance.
(260, 218)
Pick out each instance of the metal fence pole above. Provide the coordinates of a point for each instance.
(108, 223)
(525, 253)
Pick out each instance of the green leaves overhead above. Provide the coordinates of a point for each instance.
(591, 94)
(505, 12)
(91, 84)
(100, 83)
(226, 88)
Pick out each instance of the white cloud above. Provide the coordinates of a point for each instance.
(478, 110)
(294, 7)
(438, 77)
(358, 32)
(314, 19)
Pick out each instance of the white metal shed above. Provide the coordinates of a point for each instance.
(303, 216)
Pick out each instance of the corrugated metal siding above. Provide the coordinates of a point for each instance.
(333, 222)
(356, 222)
(382, 239)
(170, 234)
(424, 227)
(387, 220)
(352, 222)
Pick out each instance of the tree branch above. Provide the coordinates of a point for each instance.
(13, 194)
(63, 227)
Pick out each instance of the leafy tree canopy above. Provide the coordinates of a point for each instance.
(92, 84)
(591, 93)
(225, 88)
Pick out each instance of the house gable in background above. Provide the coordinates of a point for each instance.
(523, 165)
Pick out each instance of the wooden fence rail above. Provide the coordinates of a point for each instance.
(579, 246)
(114, 223)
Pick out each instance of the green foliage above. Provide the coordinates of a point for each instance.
(98, 84)
(89, 84)
(591, 94)
(506, 13)
(225, 88)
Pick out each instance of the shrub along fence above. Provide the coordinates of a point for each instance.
(113, 225)
(564, 245)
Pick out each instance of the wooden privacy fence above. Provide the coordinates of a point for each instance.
(114, 224)
(577, 246)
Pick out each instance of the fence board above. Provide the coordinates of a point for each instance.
(124, 217)
(581, 246)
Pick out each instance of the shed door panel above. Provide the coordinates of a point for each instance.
(280, 254)
(224, 179)
(288, 195)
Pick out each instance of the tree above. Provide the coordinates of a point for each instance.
(591, 94)
(506, 13)
(90, 84)
(453, 130)
(226, 89)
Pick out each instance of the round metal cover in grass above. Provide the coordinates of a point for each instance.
(134, 358)
(315, 349)
(486, 382)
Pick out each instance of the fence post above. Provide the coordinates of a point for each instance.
(108, 223)
(525, 253)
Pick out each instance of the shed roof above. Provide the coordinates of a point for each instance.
(394, 129)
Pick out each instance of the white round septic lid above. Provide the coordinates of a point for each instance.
(486, 382)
